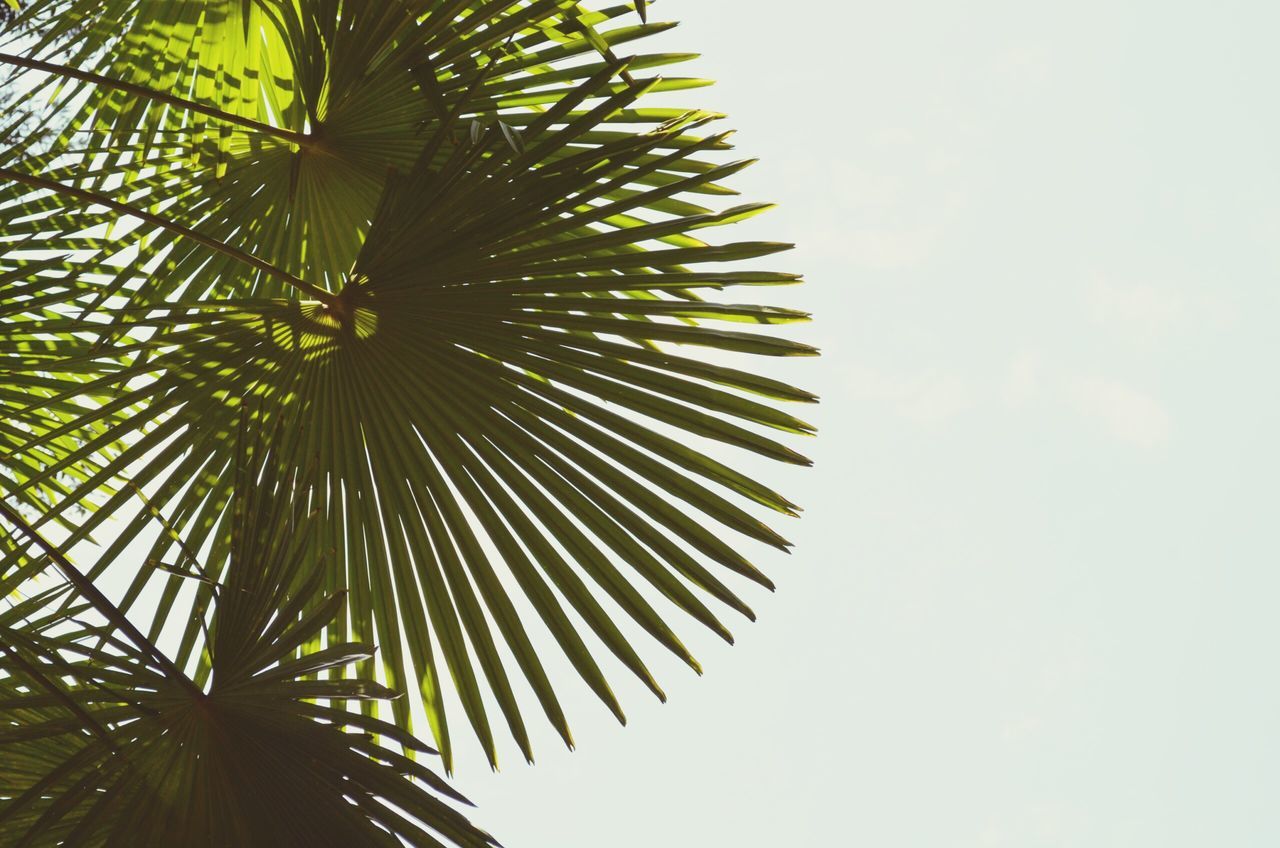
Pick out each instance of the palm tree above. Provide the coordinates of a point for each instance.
(372, 324)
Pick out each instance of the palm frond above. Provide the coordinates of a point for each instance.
(466, 280)
(105, 746)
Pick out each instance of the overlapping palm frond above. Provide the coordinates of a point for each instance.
(457, 264)
(361, 84)
(42, 395)
(106, 743)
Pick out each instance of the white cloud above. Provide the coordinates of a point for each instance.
(927, 398)
(1028, 385)
(1121, 410)
(1024, 64)
(876, 248)
(1145, 313)
(1024, 379)
(1148, 314)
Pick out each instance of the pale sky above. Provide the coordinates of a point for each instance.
(1032, 599)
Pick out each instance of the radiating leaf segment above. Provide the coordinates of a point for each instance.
(445, 266)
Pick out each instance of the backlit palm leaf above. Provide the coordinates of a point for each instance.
(490, 357)
(106, 744)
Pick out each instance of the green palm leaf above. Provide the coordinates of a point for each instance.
(106, 746)
(489, 358)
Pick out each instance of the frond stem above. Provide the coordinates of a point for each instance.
(301, 285)
(49, 686)
(300, 139)
(94, 596)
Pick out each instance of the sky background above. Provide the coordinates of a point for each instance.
(1032, 600)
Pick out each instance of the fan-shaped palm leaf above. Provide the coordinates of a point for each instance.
(485, 357)
(107, 744)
